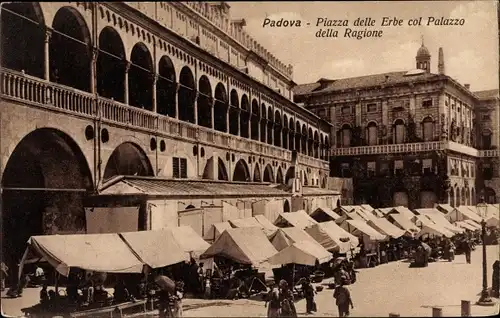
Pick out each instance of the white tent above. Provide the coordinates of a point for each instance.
(462, 213)
(303, 253)
(439, 218)
(473, 223)
(216, 230)
(298, 219)
(357, 227)
(332, 237)
(189, 240)
(385, 227)
(403, 222)
(430, 228)
(285, 237)
(465, 225)
(322, 214)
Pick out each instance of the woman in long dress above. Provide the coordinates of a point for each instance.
(286, 300)
(273, 302)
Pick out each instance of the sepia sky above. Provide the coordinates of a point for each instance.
(471, 51)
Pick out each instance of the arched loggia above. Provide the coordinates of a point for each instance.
(70, 55)
(23, 37)
(241, 172)
(255, 118)
(44, 184)
(277, 129)
(208, 172)
(270, 124)
(303, 145)
(327, 148)
(140, 82)
(268, 174)
(257, 173)
(298, 138)
(279, 176)
(310, 143)
(234, 113)
(204, 102)
(244, 116)
(220, 108)
(186, 95)
(111, 65)
(263, 123)
(290, 174)
(316, 144)
(128, 159)
(285, 132)
(291, 132)
(166, 87)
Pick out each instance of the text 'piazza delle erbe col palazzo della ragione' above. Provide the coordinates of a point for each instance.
(141, 115)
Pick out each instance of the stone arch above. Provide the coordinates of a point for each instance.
(279, 176)
(428, 129)
(316, 144)
(186, 95)
(166, 87)
(268, 174)
(284, 133)
(290, 174)
(327, 148)
(458, 199)
(399, 131)
(241, 172)
(270, 123)
(220, 108)
(298, 137)
(244, 116)
(303, 146)
(140, 83)
(22, 40)
(221, 170)
(286, 206)
(257, 173)
(44, 184)
(254, 120)
(234, 117)
(70, 49)
(277, 128)
(310, 142)
(263, 123)
(400, 197)
(372, 133)
(204, 102)
(486, 136)
(291, 132)
(305, 178)
(111, 65)
(128, 159)
(467, 196)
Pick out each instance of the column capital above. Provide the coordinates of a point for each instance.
(127, 66)
(95, 53)
(153, 77)
(196, 94)
(211, 101)
(177, 87)
(48, 34)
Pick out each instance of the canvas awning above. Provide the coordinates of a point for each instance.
(298, 219)
(438, 218)
(242, 245)
(189, 240)
(266, 224)
(462, 212)
(367, 207)
(93, 252)
(403, 222)
(324, 214)
(332, 237)
(355, 226)
(303, 253)
(155, 248)
(385, 227)
(216, 230)
(365, 214)
(285, 237)
(446, 207)
(465, 225)
(404, 211)
(386, 211)
(492, 220)
(246, 222)
(473, 223)
(429, 227)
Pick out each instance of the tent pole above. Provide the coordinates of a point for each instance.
(21, 264)
(293, 278)
(56, 283)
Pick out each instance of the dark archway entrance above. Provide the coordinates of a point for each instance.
(23, 38)
(279, 176)
(44, 184)
(165, 87)
(286, 206)
(70, 50)
(208, 172)
(128, 160)
(270, 124)
(140, 83)
(268, 174)
(241, 172)
(111, 65)
(290, 174)
(256, 173)
(220, 108)
(186, 95)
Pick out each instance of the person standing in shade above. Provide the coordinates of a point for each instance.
(343, 298)
(467, 250)
(309, 292)
(495, 284)
(273, 298)
(286, 300)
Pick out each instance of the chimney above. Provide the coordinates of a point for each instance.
(441, 62)
(467, 86)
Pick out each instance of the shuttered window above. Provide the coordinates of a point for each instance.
(175, 168)
(179, 168)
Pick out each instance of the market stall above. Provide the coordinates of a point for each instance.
(332, 237)
(462, 213)
(465, 226)
(189, 240)
(298, 219)
(404, 223)
(323, 214)
(430, 228)
(439, 218)
(385, 227)
(285, 237)
(216, 230)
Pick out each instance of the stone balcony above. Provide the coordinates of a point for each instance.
(413, 147)
(40, 93)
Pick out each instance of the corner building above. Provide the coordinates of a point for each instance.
(410, 138)
(167, 108)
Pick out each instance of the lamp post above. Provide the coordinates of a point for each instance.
(485, 299)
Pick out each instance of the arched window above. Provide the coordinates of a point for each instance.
(399, 131)
(428, 129)
(346, 135)
(371, 134)
(486, 139)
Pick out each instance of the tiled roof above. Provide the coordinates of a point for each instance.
(488, 94)
(175, 187)
(364, 81)
(318, 191)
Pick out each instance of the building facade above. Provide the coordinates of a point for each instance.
(163, 90)
(411, 138)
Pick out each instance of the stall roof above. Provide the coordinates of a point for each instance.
(473, 223)
(366, 229)
(285, 237)
(317, 191)
(367, 207)
(153, 186)
(332, 237)
(467, 212)
(303, 253)
(438, 218)
(404, 211)
(386, 227)
(246, 222)
(404, 222)
(329, 212)
(243, 245)
(298, 219)
(265, 223)
(386, 211)
(446, 207)
(428, 211)
(465, 225)
(216, 230)
(94, 252)
(365, 214)
(434, 229)
(190, 241)
(155, 248)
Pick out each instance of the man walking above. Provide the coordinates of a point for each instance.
(467, 250)
(343, 298)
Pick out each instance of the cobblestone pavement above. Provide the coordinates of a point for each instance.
(388, 288)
